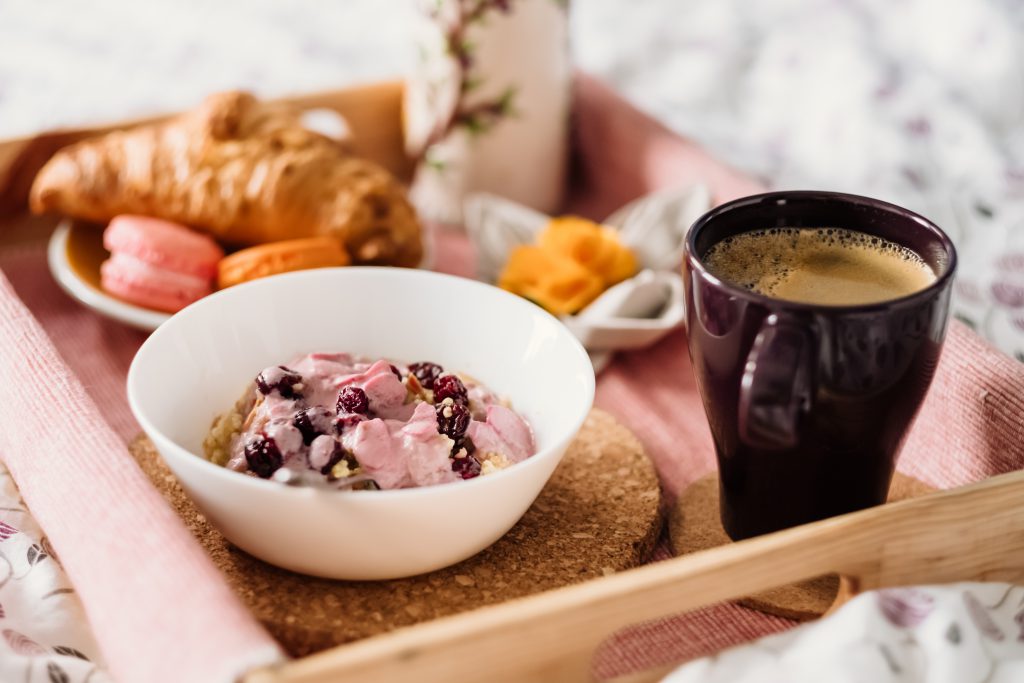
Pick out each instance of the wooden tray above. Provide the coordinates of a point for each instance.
(694, 525)
(972, 533)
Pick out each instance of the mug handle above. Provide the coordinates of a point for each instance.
(777, 384)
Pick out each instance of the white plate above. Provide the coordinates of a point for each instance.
(89, 295)
(85, 289)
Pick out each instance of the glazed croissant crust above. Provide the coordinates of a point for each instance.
(246, 172)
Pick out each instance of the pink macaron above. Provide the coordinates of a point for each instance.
(158, 264)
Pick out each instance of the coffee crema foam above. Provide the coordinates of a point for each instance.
(826, 266)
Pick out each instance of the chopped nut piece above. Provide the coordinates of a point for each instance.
(491, 462)
(416, 390)
(343, 469)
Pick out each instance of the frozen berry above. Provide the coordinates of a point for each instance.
(466, 443)
(353, 400)
(452, 419)
(263, 456)
(426, 373)
(450, 386)
(466, 467)
(312, 422)
(286, 381)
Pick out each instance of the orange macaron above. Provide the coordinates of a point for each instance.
(274, 258)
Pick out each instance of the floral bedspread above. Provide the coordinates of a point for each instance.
(967, 633)
(43, 632)
(916, 102)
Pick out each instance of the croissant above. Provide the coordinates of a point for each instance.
(246, 172)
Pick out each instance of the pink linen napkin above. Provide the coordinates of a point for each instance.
(159, 607)
(621, 153)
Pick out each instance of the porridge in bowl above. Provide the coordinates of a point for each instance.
(337, 418)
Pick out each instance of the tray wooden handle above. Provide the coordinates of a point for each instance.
(972, 533)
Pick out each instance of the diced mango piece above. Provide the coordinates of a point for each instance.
(591, 245)
(574, 261)
(577, 238)
(622, 265)
(553, 281)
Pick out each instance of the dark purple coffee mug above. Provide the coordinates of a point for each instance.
(809, 404)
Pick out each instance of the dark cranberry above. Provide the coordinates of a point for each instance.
(452, 419)
(398, 373)
(263, 456)
(312, 422)
(466, 467)
(353, 400)
(286, 381)
(466, 443)
(426, 373)
(450, 386)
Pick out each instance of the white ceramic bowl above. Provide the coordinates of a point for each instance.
(199, 362)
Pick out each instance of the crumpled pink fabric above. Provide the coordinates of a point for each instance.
(159, 608)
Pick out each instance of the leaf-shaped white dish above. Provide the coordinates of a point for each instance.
(655, 226)
(634, 313)
(496, 226)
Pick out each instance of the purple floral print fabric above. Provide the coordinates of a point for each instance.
(962, 633)
(44, 637)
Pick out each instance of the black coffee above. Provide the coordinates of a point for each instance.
(809, 403)
(824, 266)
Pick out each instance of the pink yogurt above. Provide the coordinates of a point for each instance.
(298, 422)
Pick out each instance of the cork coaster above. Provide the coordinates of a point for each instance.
(600, 513)
(694, 525)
